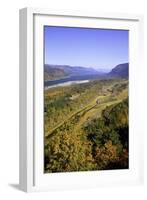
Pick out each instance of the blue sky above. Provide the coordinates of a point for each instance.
(97, 48)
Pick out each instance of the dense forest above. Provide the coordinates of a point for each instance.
(86, 126)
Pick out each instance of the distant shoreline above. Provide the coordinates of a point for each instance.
(72, 78)
(66, 84)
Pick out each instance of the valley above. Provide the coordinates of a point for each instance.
(69, 112)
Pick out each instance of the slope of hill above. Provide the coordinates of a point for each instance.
(79, 71)
(59, 71)
(121, 71)
(86, 127)
(53, 73)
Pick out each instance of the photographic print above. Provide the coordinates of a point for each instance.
(86, 101)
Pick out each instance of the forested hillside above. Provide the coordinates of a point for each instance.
(86, 126)
(120, 71)
(53, 73)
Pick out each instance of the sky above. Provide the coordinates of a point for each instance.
(87, 47)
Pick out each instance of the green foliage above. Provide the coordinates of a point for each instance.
(117, 116)
(75, 142)
(112, 128)
(58, 104)
(67, 152)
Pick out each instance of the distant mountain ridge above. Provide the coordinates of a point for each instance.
(120, 71)
(58, 71)
(53, 72)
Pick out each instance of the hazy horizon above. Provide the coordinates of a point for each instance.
(95, 68)
(100, 49)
